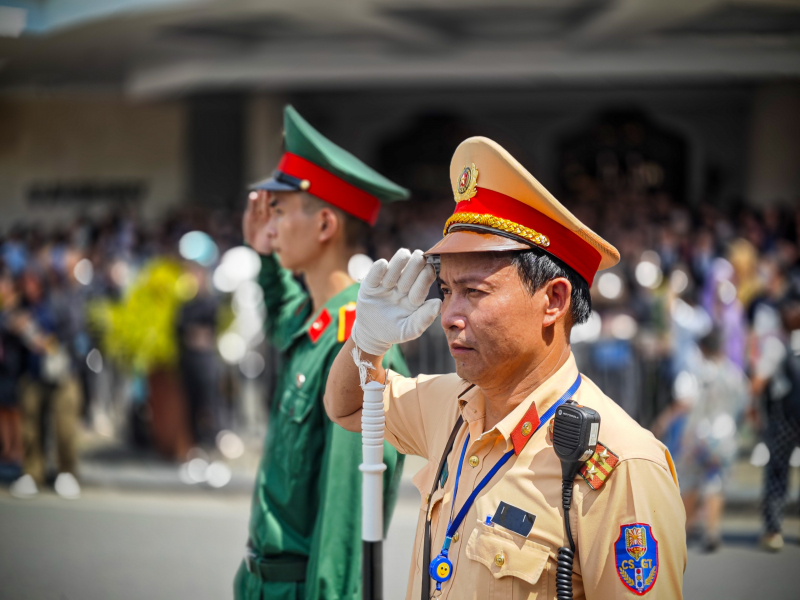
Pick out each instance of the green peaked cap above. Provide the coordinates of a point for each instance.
(305, 141)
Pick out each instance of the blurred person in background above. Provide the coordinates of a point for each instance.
(48, 386)
(712, 393)
(776, 380)
(309, 219)
(689, 322)
(199, 362)
(12, 357)
(14, 250)
(719, 298)
(68, 300)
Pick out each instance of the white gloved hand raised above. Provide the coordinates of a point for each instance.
(391, 304)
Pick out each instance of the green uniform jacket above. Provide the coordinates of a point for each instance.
(307, 497)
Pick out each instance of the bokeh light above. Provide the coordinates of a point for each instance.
(199, 247)
(84, 271)
(587, 332)
(232, 347)
(609, 285)
(358, 266)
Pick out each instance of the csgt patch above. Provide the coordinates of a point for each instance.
(636, 551)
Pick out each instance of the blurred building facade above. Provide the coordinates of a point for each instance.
(158, 104)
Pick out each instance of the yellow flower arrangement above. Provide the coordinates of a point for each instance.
(138, 332)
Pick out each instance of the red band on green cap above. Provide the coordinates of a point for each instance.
(564, 244)
(332, 189)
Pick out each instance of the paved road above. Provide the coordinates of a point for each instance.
(121, 546)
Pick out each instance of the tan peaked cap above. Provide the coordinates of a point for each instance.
(501, 206)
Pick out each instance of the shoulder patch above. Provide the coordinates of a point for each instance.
(636, 553)
(347, 318)
(597, 469)
(318, 327)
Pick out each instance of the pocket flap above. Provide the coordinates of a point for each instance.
(423, 481)
(297, 404)
(506, 554)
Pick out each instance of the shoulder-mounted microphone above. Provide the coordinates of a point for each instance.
(575, 431)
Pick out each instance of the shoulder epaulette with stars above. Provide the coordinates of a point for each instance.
(597, 469)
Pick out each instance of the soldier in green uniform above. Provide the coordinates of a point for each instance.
(308, 218)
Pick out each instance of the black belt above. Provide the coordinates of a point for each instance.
(426, 546)
(286, 567)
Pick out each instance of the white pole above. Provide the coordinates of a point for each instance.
(372, 423)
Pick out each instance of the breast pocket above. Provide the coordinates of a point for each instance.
(297, 427)
(518, 566)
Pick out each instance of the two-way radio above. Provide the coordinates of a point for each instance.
(575, 430)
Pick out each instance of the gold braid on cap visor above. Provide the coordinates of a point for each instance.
(465, 218)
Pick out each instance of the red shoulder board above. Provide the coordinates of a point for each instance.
(347, 317)
(597, 469)
(318, 327)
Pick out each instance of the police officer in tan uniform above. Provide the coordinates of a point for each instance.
(516, 267)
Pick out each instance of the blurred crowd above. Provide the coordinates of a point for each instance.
(107, 326)
(696, 333)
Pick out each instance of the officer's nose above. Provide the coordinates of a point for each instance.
(452, 316)
(272, 230)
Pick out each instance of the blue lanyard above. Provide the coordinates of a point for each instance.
(453, 525)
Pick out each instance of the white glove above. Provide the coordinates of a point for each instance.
(391, 304)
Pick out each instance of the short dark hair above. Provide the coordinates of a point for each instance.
(356, 231)
(537, 267)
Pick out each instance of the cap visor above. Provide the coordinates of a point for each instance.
(472, 241)
(273, 185)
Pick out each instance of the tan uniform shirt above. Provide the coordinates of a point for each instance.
(492, 562)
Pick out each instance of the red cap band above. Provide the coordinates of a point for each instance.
(332, 189)
(564, 244)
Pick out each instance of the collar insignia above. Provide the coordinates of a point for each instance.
(318, 327)
(522, 432)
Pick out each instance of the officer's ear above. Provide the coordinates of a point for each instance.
(557, 298)
(330, 224)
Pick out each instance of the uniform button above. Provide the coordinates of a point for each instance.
(526, 428)
(500, 560)
(473, 461)
(300, 380)
(455, 536)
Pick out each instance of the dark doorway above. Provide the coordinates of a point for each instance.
(620, 152)
(418, 157)
(216, 150)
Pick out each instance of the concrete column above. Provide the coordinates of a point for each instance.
(263, 135)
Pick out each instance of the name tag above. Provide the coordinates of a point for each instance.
(514, 519)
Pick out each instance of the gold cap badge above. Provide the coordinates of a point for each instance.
(467, 183)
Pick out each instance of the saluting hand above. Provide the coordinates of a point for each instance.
(391, 306)
(254, 223)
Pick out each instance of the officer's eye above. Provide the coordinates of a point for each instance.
(445, 290)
